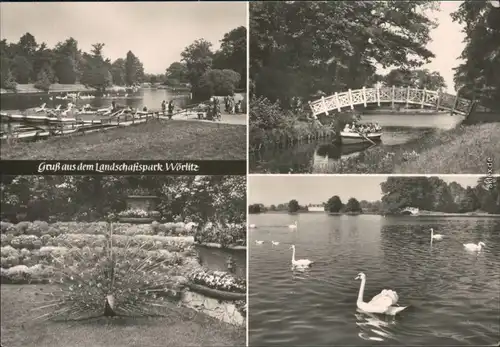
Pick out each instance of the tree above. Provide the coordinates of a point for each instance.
(477, 77)
(198, 59)
(298, 48)
(254, 208)
(421, 79)
(43, 81)
(134, 70)
(233, 54)
(293, 206)
(118, 72)
(97, 70)
(334, 204)
(470, 202)
(22, 69)
(218, 82)
(67, 61)
(176, 74)
(272, 208)
(353, 206)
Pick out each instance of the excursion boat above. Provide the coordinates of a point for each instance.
(353, 137)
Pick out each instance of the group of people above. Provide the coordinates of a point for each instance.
(231, 105)
(169, 106)
(366, 128)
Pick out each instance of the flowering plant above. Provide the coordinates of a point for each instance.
(219, 280)
(137, 213)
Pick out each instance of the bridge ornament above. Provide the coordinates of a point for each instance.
(392, 95)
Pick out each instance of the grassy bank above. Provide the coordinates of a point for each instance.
(463, 150)
(155, 140)
(183, 328)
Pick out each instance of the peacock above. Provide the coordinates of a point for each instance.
(112, 281)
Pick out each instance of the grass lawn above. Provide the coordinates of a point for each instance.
(463, 150)
(19, 329)
(156, 140)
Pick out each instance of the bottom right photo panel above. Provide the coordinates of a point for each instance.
(373, 259)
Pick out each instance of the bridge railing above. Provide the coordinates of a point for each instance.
(392, 95)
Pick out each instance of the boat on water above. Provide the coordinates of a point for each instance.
(354, 137)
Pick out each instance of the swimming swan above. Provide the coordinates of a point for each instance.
(300, 262)
(436, 236)
(275, 243)
(381, 303)
(252, 226)
(474, 247)
(293, 226)
(259, 242)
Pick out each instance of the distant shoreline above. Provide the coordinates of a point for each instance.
(24, 89)
(422, 214)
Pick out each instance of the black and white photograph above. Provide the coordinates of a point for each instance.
(123, 80)
(374, 87)
(123, 261)
(373, 260)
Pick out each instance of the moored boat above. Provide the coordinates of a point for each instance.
(354, 137)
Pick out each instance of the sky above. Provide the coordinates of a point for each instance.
(156, 32)
(311, 189)
(447, 44)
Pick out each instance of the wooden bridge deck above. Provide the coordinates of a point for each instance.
(392, 95)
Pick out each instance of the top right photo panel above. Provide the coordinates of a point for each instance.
(374, 87)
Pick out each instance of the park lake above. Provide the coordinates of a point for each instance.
(400, 131)
(149, 97)
(452, 295)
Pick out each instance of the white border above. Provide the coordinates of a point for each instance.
(248, 172)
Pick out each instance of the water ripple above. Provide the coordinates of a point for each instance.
(453, 296)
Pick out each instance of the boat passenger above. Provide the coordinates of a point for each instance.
(347, 128)
(377, 127)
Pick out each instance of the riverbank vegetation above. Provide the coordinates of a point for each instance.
(212, 73)
(28, 66)
(154, 140)
(431, 195)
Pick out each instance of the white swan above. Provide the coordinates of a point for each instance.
(435, 236)
(300, 262)
(473, 247)
(259, 242)
(381, 303)
(252, 226)
(293, 226)
(275, 243)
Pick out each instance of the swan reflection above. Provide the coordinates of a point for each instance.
(373, 327)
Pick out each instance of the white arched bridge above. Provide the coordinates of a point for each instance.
(392, 95)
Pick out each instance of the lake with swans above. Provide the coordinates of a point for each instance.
(453, 294)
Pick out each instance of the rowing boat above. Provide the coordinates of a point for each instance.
(353, 137)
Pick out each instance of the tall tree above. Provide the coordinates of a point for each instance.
(134, 70)
(478, 77)
(353, 206)
(233, 53)
(334, 204)
(300, 47)
(176, 74)
(293, 206)
(198, 59)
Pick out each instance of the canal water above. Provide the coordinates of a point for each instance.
(151, 98)
(453, 295)
(320, 156)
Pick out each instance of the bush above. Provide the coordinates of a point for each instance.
(218, 82)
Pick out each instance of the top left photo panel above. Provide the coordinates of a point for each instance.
(123, 81)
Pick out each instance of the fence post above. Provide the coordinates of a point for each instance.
(393, 95)
(349, 92)
(337, 101)
(377, 88)
(423, 98)
(324, 105)
(408, 96)
(364, 96)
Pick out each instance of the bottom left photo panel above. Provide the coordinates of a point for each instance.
(123, 261)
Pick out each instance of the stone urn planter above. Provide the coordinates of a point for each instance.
(229, 259)
(146, 203)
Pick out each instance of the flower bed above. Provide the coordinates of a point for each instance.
(43, 228)
(218, 281)
(224, 234)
